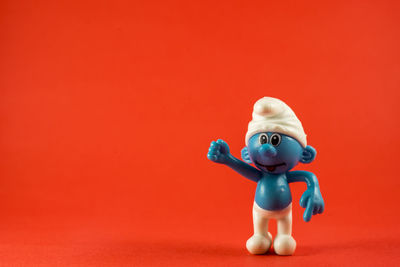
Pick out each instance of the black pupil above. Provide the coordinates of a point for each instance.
(263, 139)
(275, 140)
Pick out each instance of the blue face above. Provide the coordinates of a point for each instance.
(274, 152)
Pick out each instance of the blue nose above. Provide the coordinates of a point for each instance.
(267, 150)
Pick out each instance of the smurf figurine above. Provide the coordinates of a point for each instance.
(275, 143)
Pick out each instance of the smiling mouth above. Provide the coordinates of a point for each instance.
(271, 168)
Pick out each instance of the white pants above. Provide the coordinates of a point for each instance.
(283, 219)
(261, 241)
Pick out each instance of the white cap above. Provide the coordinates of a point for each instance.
(273, 115)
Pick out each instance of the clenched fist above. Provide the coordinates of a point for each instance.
(219, 152)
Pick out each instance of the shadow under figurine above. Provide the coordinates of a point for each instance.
(275, 143)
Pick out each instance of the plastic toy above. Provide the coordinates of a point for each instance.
(275, 143)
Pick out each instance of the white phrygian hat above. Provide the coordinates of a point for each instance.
(273, 115)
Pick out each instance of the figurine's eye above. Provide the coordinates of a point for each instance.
(275, 139)
(263, 139)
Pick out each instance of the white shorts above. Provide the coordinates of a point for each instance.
(272, 214)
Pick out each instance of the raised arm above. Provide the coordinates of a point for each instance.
(311, 199)
(219, 153)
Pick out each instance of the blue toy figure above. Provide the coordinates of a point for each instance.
(275, 143)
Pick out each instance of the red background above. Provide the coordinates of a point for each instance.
(108, 108)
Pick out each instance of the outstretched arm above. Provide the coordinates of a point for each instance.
(311, 199)
(219, 153)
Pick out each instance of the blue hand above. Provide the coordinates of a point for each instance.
(219, 152)
(313, 203)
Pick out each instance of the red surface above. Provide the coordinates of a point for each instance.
(107, 110)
